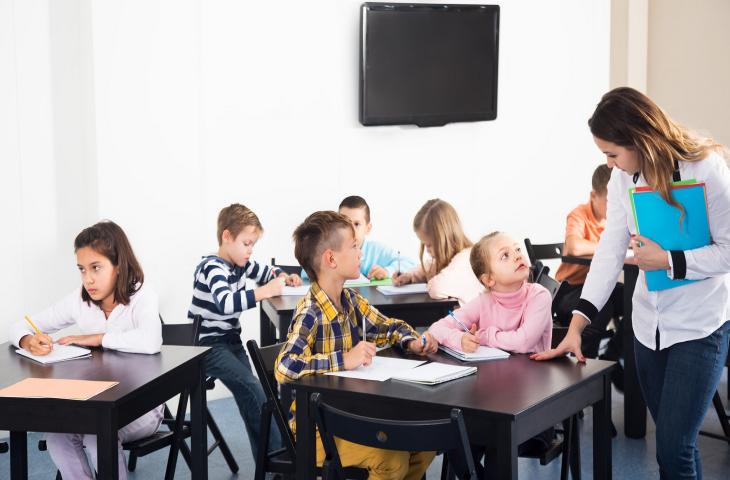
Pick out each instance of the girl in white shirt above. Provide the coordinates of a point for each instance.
(111, 309)
(681, 333)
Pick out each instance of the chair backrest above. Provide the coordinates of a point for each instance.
(543, 251)
(289, 269)
(184, 334)
(447, 435)
(550, 283)
(263, 359)
(538, 270)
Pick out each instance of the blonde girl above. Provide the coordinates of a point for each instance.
(444, 254)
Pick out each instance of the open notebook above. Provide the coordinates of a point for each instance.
(60, 353)
(434, 373)
(381, 369)
(404, 289)
(481, 353)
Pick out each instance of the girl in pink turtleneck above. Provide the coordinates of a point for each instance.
(511, 315)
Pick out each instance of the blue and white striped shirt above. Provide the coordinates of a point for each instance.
(220, 295)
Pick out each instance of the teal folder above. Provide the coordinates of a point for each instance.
(664, 224)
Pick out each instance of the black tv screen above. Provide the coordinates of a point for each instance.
(428, 64)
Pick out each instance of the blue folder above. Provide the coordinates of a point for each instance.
(660, 222)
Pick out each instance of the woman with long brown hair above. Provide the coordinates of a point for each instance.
(681, 333)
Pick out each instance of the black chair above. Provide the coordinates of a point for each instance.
(3, 447)
(543, 251)
(288, 269)
(184, 334)
(447, 435)
(283, 460)
(177, 429)
(218, 440)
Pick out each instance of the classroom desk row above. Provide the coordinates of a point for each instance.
(145, 381)
(421, 311)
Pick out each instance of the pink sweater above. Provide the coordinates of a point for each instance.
(456, 280)
(520, 321)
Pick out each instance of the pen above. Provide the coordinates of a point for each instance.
(451, 312)
(423, 340)
(398, 271)
(30, 322)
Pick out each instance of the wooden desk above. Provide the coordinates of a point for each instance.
(634, 404)
(417, 309)
(145, 381)
(504, 404)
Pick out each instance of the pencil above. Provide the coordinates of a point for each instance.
(37, 330)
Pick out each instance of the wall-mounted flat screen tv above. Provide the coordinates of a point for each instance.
(428, 64)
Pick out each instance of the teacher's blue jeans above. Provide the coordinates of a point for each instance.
(678, 384)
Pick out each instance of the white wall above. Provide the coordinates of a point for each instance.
(157, 113)
(201, 104)
(47, 179)
(689, 63)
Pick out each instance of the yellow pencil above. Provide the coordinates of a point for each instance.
(37, 330)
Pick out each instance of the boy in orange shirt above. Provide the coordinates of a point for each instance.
(582, 232)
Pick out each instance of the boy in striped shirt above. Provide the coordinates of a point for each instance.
(324, 334)
(220, 296)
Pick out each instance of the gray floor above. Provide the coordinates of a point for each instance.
(632, 459)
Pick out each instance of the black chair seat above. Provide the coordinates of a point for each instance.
(147, 445)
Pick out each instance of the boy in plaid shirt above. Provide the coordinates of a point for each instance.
(324, 335)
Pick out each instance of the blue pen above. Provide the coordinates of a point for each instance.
(423, 340)
(451, 312)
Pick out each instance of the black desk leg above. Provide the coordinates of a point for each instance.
(634, 405)
(18, 456)
(199, 433)
(502, 463)
(306, 449)
(107, 450)
(266, 334)
(602, 464)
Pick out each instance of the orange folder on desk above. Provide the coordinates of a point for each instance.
(56, 388)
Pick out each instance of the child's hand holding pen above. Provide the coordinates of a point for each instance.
(469, 341)
(424, 345)
(38, 344)
(402, 278)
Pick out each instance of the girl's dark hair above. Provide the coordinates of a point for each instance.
(108, 239)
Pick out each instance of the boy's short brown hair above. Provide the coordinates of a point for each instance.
(355, 201)
(318, 232)
(235, 218)
(601, 176)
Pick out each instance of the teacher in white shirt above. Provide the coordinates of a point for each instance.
(681, 334)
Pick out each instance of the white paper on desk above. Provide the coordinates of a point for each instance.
(404, 289)
(299, 291)
(381, 369)
(60, 353)
(357, 281)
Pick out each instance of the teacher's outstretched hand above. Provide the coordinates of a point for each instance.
(570, 344)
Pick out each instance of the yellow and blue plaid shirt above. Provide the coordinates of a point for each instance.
(319, 334)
